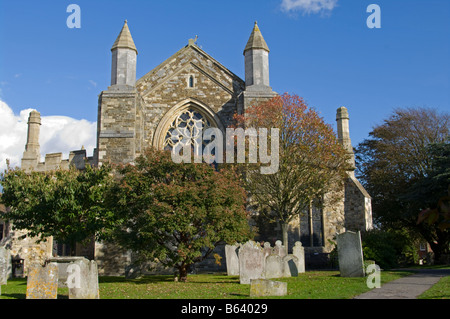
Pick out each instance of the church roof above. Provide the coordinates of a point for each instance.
(124, 40)
(256, 40)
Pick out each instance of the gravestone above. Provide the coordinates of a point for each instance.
(63, 263)
(42, 281)
(83, 280)
(251, 262)
(267, 249)
(5, 258)
(351, 263)
(279, 249)
(299, 252)
(232, 260)
(266, 288)
(290, 263)
(273, 267)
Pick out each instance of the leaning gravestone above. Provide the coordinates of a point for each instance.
(299, 252)
(290, 263)
(83, 280)
(251, 262)
(351, 263)
(273, 267)
(266, 288)
(5, 257)
(232, 260)
(42, 281)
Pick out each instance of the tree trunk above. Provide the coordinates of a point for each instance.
(183, 269)
(284, 229)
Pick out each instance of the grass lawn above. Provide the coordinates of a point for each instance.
(309, 285)
(441, 290)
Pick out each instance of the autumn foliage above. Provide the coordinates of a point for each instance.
(311, 160)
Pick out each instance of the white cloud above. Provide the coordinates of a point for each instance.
(58, 134)
(309, 6)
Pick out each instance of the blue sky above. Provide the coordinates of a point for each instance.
(321, 50)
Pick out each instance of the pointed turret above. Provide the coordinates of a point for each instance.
(256, 54)
(124, 40)
(124, 55)
(256, 40)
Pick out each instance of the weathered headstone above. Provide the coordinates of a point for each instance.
(5, 258)
(63, 263)
(83, 280)
(42, 281)
(279, 249)
(267, 249)
(351, 263)
(232, 260)
(290, 266)
(265, 288)
(273, 267)
(251, 262)
(299, 252)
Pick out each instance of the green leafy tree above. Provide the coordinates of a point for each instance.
(177, 214)
(404, 165)
(65, 204)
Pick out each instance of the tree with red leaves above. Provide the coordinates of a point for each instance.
(311, 160)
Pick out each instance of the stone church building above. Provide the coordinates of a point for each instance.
(189, 88)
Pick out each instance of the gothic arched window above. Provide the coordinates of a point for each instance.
(191, 81)
(188, 123)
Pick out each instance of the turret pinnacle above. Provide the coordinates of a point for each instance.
(256, 40)
(124, 40)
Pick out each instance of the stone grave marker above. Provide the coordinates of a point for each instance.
(5, 258)
(279, 249)
(82, 279)
(232, 260)
(42, 281)
(63, 263)
(273, 267)
(299, 252)
(290, 263)
(265, 288)
(267, 249)
(251, 262)
(351, 263)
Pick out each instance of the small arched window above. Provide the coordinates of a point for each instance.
(191, 81)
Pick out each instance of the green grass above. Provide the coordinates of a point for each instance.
(441, 290)
(309, 285)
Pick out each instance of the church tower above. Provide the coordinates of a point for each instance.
(257, 84)
(117, 106)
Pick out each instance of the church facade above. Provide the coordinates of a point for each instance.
(190, 88)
